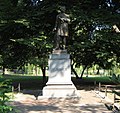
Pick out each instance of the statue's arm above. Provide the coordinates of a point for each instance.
(56, 24)
(66, 19)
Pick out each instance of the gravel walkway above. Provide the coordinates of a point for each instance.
(87, 103)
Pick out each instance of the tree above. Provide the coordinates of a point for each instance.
(10, 31)
(87, 45)
(91, 46)
(10, 49)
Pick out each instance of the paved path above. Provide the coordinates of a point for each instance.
(87, 103)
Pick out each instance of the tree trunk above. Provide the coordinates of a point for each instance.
(44, 73)
(73, 70)
(98, 71)
(83, 71)
(87, 73)
(36, 71)
(3, 69)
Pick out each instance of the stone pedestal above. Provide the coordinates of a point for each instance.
(59, 81)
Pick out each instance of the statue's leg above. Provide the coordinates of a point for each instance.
(57, 42)
(64, 42)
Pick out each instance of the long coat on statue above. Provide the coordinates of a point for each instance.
(61, 24)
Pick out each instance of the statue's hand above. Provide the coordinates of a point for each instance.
(62, 19)
(54, 29)
(65, 20)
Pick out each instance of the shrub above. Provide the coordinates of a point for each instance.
(5, 87)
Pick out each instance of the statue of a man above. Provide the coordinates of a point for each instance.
(61, 29)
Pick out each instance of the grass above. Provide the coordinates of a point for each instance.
(16, 78)
(26, 82)
(92, 79)
(36, 82)
(104, 79)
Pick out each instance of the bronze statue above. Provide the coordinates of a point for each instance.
(61, 29)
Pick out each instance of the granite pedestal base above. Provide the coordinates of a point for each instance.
(59, 81)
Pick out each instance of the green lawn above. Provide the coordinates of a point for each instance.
(26, 82)
(104, 79)
(16, 78)
(36, 82)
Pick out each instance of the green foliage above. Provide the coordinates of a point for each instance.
(88, 48)
(5, 87)
(26, 32)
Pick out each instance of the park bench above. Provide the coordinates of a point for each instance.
(116, 95)
(107, 88)
(117, 99)
(115, 89)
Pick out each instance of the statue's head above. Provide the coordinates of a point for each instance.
(62, 8)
